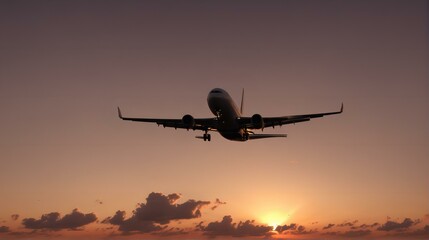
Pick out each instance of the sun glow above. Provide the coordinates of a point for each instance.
(275, 219)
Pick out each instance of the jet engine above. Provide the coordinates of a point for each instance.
(188, 121)
(257, 121)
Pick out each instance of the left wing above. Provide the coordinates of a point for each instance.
(278, 121)
(205, 124)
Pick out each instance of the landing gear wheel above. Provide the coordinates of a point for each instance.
(206, 137)
(246, 136)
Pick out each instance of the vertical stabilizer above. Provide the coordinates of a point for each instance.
(242, 102)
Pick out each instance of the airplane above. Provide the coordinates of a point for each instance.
(228, 120)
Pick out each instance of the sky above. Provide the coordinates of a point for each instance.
(71, 169)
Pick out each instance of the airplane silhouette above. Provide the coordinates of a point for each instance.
(228, 120)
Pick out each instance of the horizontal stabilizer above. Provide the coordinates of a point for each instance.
(259, 136)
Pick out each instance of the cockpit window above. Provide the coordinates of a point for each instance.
(216, 91)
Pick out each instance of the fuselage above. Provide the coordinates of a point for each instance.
(224, 108)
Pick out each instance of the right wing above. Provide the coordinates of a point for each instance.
(279, 121)
(205, 124)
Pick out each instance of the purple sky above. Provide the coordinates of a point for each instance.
(66, 65)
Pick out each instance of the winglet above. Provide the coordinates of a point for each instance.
(342, 107)
(242, 101)
(119, 113)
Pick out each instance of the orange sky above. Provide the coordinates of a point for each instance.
(64, 154)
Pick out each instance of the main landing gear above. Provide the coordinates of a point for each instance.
(206, 136)
(246, 136)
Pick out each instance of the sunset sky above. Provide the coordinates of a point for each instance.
(70, 168)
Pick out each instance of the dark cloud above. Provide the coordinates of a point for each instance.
(132, 224)
(395, 226)
(159, 210)
(162, 209)
(14, 217)
(227, 228)
(365, 226)
(374, 225)
(283, 228)
(424, 232)
(217, 203)
(347, 224)
(328, 226)
(4, 229)
(117, 219)
(301, 230)
(53, 221)
(293, 228)
(199, 226)
(248, 228)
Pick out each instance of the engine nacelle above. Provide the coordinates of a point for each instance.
(257, 121)
(188, 121)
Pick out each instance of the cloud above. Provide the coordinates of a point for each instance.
(328, 226)
(395, 226)
(159, 210)
(132, 224)
(227, 228)
(217, 203)
(4, 229)
(14, 217)
(364, 226)
(347, 224)
(301, 231)
(283, 228)
(162, 209)
(117, 219)
(422, 233)
(293, 228)
(53, 221)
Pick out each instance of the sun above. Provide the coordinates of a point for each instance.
(274, 218)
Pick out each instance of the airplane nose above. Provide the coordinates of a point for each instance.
(211, 98)
(213, 101)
